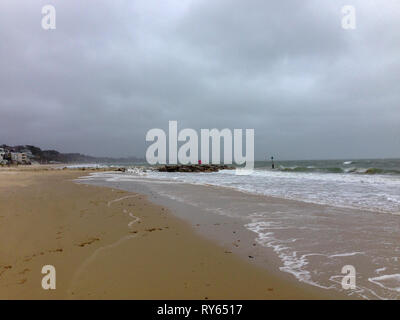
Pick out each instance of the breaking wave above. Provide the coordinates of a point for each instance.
(353, 170)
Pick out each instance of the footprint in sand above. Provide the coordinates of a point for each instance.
(4, 269)
(98, 250)
(88, 242)
(29, 258)
(24, 271)
(153, 229)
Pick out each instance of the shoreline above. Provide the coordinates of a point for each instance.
(310, 241)
(223, 230)
(112, 244)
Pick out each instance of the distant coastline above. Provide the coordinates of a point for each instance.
(35, 155)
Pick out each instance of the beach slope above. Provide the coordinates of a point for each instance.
(112, 244)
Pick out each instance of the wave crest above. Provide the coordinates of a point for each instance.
(353, 170)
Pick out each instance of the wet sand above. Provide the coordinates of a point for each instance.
(111, 244)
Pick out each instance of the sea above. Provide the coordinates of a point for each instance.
(316, 216)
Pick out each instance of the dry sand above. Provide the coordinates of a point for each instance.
(112, 244)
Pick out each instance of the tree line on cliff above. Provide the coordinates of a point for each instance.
(52, 156)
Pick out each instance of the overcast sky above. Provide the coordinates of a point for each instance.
(112, 70)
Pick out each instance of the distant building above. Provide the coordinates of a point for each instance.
(2, 156)
(19, 158)
(28, 153)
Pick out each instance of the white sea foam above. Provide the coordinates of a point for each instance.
(136, 171)
(87, 165)
(374, 192)
(293, 263)
(389, 281)
(379, 270)
(346, 254)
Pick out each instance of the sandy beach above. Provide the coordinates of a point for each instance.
(111, 244)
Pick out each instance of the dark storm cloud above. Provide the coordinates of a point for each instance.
(114, 69)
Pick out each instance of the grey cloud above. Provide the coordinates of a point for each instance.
(114, 69)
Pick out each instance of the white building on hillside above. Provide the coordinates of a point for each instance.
(2, 154)
(19, 157)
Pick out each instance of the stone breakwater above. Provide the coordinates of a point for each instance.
(193, 168)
